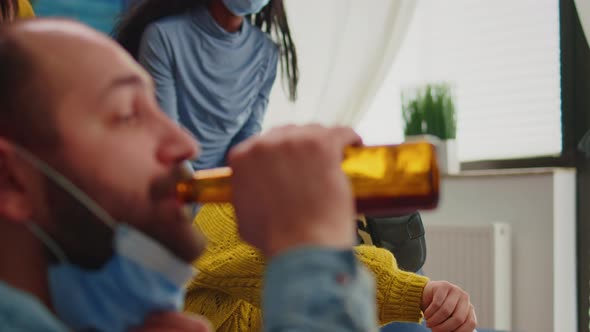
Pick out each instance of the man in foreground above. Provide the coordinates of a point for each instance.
(91, 234)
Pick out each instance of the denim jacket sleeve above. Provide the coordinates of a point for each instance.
(315, 289)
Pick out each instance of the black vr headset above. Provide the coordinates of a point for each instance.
(403, 236)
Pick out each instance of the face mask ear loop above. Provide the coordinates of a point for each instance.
(48, 241)
(69, 187)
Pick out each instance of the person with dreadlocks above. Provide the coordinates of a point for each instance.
(214, 63)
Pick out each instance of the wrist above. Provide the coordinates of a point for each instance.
(319, 238)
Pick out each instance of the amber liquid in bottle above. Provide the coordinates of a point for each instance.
(386, 180)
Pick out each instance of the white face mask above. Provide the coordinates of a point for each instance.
(142, 276)
(245, 7)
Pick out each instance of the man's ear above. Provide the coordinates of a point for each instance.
(15, 203)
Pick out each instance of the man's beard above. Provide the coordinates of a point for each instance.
(88, 241)
(85, 239)
(174, 230)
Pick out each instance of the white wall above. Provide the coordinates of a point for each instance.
(540, 207)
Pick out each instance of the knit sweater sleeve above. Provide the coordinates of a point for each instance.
(399, 293)
(228, 264)
(235, 269)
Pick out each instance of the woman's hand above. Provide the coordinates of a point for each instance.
(447, 308)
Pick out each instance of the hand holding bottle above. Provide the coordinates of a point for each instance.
(289, 189)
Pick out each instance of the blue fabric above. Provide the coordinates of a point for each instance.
(21, 312)
(405, 327)
(140, 279)
(308, 289)
(245, 7)
(214, 83)
(314, 289)
(99, 14)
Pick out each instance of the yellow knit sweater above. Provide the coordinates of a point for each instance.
(25, 10)
(228, 288)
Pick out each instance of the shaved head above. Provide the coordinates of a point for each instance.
(36, 76)
(24, 99)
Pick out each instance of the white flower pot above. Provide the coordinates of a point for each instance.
(448, 160)
(446, 151)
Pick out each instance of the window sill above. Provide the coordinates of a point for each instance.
(532, 171)
(567, 160)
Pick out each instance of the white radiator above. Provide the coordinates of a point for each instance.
(476, 258)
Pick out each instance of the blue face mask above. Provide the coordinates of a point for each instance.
(142, 277)
(245, 7)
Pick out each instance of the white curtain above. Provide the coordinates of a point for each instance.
(345, 49)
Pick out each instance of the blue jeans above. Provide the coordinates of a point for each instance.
(405, 327)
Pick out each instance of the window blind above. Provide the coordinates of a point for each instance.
(503, 59)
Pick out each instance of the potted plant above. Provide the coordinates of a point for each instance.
(430, 110)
